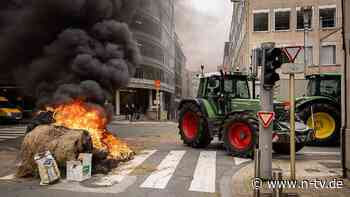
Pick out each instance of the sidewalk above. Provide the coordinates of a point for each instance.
(310, 169)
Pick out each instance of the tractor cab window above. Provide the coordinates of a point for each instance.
(237, 88)
(325, 87)
(213, 87)
(242, 89)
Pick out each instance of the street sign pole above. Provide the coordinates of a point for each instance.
(265, 134)
(158, 104)
(157, 85)
(292, 69)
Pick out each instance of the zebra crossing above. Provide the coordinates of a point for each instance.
(203, 177)
(11, 132)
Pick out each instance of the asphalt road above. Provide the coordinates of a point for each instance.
(162, 167)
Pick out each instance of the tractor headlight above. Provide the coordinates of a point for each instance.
(8, 113)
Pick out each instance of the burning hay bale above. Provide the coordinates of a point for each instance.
(77, 127)
(65, 144)
(78, 114)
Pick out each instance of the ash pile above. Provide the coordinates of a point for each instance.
(71, 55)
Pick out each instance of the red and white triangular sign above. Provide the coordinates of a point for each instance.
(266, 118)
(292, 52)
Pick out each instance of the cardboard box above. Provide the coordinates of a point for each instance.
(80, 169)
(48, 169)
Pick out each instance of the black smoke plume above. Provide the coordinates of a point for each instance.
(60, 50)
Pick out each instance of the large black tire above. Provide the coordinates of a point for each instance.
(193, 126)
(241, 135)
(305, 113)
(284, 148)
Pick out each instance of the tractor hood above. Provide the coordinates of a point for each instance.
(245, 105)
(254, 105)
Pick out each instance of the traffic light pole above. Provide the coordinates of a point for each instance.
(265, 134)
(292, 125)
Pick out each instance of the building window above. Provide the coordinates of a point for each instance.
(282, 20)
(328, 55)
(151, 50)
(261, 21)
(309, 56)
(327, 17)
(146, 25)
(300, 20)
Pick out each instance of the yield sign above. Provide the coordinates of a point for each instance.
(292, 52)
(266, 118)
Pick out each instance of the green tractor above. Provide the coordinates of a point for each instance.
(320, 108)
(224, 109)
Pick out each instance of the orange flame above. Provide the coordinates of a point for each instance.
(80, 115)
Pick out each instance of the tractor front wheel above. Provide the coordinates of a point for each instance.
(240, 135)
(193, 126)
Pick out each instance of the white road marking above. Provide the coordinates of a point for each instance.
(321, 153)
(125, 169)
(8, 177)
(205, 173)
(11, 132)
(165, 170)
(239, 161)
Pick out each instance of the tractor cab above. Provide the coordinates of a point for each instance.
(220, 89)
(328, 85)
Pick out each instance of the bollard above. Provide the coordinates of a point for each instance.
(277, 176)
(257, 170)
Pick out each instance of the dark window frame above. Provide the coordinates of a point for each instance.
(257, 28)
(300, 18)
(325, 23)
(282, 25)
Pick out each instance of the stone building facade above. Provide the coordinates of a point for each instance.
(258, 21)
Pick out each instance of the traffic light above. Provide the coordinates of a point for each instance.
(273, 61)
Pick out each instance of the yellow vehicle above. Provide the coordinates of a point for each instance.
(8, 111)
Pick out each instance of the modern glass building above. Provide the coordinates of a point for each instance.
(153, 28)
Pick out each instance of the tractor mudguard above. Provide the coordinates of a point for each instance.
(301, 102)
(203, 104)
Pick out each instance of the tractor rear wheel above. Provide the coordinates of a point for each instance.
(325, 119)
(240, 135)
(193, 126)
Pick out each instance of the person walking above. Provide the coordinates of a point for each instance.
(132, 112)
(127, 112)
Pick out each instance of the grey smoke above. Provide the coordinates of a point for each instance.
(203, 33)
(59, 50)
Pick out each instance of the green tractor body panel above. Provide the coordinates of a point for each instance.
(210, 109)
(252, 105)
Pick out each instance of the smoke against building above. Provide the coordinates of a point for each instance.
(63, 50)
(100, 50)
(153, 26)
